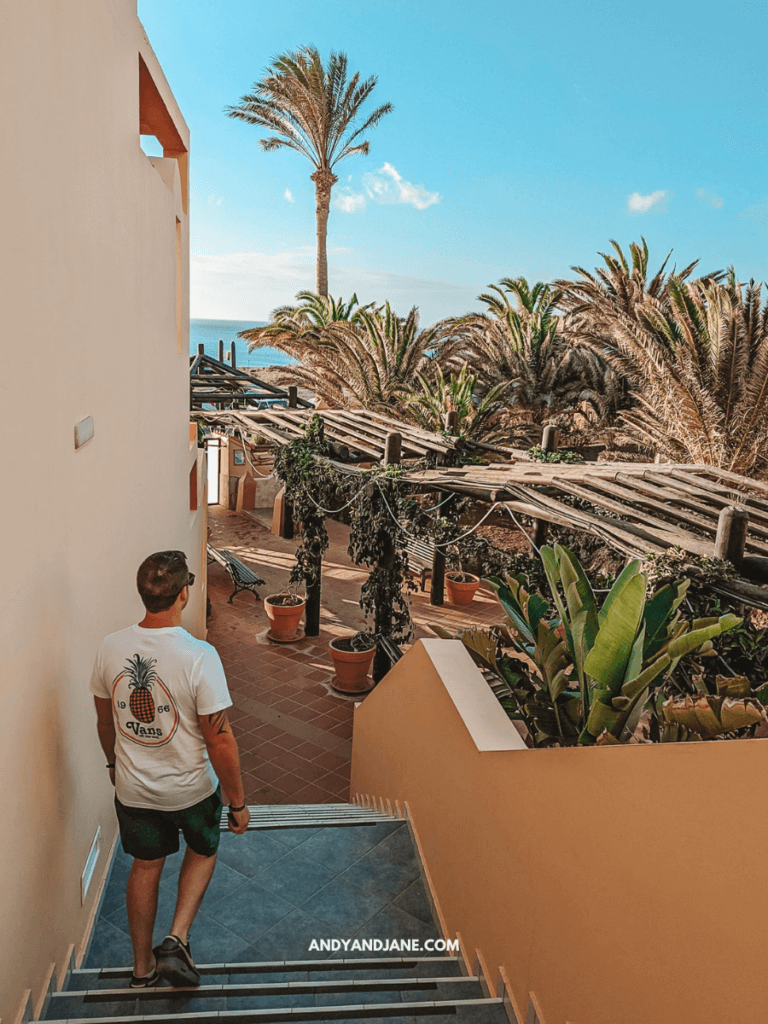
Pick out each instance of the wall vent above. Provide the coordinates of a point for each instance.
(90, 865)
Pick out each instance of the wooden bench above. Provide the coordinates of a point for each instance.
(242, 577)
(421, 554)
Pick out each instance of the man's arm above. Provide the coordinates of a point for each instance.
(222, 750)
(105, 725)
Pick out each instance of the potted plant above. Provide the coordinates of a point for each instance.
(352, 657)
(461, 586)
(284, 611)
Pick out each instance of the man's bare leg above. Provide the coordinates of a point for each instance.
(196, 872)
(141, 902)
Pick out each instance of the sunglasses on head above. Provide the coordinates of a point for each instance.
(189, 583)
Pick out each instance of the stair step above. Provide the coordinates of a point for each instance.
(310, 816)
(354, 1011)
(266, 989)
(446, 968)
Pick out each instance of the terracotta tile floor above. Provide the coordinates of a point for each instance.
(293, 730)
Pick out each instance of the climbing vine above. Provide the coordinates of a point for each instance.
(372, 503)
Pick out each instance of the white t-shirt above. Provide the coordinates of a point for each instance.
(159, 681)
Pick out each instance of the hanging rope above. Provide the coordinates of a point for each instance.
(522, 530)
(333, 511)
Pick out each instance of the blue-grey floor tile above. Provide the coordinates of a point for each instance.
(250, 911)
(484, 1013)
(110, 947)
(178, 1003)
(248, 852)
(376, 871)
(290, 938)
(294, 877)
(212, 943)
(356, 997)
(74, 1006)
(414, 901)
(393, 923)
(337, 848)
(292, 837)
(273, 1002)
(344, 907)
(225, 881)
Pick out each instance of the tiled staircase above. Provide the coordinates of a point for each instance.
(301, 873)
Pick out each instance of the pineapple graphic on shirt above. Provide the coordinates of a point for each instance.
(143, 677)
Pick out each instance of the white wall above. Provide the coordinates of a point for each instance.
(89, 318)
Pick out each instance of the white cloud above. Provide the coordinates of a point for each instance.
(289, 196)
(349, 201)
(757, 214)
(642, 204)
(709, 197)
(249, 285)
(387, 186)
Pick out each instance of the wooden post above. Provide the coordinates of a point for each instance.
(200, 349)
(452, 421)
(293, 402)
(731, 535)
(437, 590)
(221, 350)
(232, 357)
(549, 437)
(393, 446)
(312, 611)
(383, 619)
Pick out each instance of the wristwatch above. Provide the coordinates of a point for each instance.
(236, 810)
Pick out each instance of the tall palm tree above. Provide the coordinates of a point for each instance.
(519, 340)
(314, 111)
(365, 357)
(700, 363)
(478, 418)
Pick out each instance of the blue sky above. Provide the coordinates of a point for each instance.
(524, 138)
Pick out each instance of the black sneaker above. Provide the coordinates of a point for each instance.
(174, 962)
(149, 981)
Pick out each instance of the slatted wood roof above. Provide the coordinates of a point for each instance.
(361, 432)
(636, 508)
(212, 382)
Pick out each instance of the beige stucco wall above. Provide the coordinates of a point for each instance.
(615, 883)
(95, 323)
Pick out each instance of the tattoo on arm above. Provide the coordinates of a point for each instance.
(218, 721)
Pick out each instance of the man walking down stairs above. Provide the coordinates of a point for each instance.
(318, 912)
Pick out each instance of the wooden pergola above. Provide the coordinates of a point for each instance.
(357, 435)
(220, 385)
(635, 508)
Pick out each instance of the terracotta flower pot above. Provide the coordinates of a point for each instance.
(460, 592)
(284, 619)
(351, 668)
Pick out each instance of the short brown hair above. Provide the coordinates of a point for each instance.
(161, 578)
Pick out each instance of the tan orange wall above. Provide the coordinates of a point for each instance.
(89, 329)
(617, 883)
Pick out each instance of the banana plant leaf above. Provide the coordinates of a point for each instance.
(607, 661)
(658, 614)
(627, 573)
(688, 642)
(511, 606)
(551, 565)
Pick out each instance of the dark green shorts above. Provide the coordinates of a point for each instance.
(150, 835)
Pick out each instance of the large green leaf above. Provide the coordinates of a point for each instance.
(607, 661)
(690, 641)
(635, 661)
(601, 716)
(634, 687)
(627, 573)
(656, 616)
(511, 606)
(552, 570)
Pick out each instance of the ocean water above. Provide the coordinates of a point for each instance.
(208, 333)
